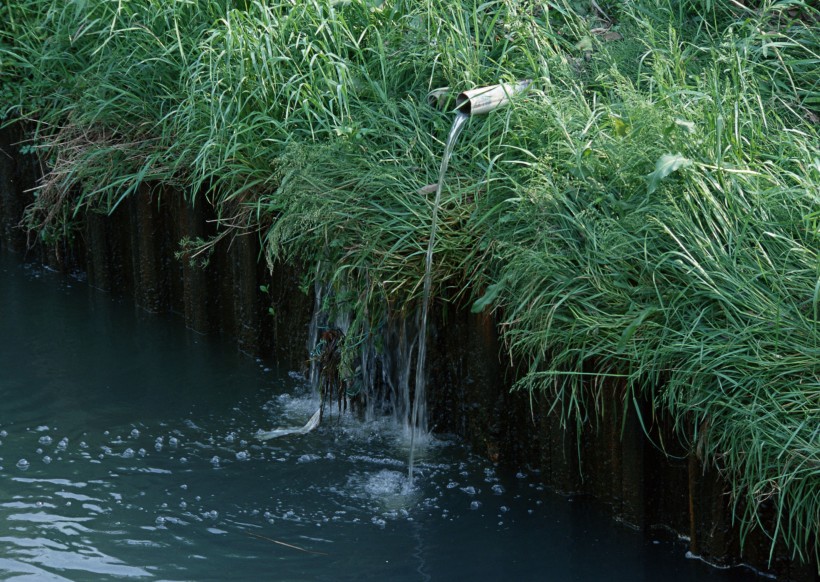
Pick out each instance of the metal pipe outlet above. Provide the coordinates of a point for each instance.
(484, 99)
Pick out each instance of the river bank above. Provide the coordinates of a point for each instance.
(623, 283)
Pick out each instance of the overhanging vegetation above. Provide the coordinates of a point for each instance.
(648, 210)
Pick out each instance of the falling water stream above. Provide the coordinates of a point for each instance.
(418, 421)
(127, 451)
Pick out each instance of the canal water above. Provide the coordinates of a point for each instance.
(128, 451)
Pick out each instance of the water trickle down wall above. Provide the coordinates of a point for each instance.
(132, 252)
(382, 378)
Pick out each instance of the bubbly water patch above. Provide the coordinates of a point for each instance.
(293, 406)
(390, 492)
(377, 460)
(386, 483)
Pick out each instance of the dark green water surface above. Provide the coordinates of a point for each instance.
(128, 452)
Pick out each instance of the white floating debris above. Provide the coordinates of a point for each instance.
(279, 432)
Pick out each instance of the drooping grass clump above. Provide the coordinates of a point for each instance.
(648, 210)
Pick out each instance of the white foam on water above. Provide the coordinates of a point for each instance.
(308, 458)
(377, 460)
(385, 482)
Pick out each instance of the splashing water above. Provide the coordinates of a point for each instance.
(418, 418)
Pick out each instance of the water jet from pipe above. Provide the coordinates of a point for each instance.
(473, 102)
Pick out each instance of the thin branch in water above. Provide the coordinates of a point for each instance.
(261, 537)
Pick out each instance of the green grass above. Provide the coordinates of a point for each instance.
(648, 210)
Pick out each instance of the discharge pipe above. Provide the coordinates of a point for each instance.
(485, 99)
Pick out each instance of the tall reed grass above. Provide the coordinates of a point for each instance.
(647, 211)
